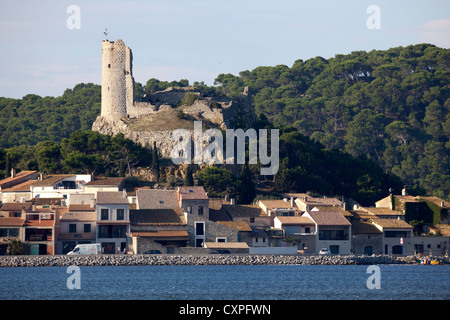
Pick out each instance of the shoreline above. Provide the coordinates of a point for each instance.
(152, 260)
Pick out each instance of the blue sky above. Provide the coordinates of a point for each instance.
(197, 39)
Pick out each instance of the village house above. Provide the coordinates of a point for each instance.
(104, 184)
(78, 226)
(11, 228)
(157, 229)
(305, 202)
(16, 188)
(333, 231)
(59, 185)
(274, 208)
(41, 229)
(366, 238)
(113, 221)
(397, 236)
(299, 230)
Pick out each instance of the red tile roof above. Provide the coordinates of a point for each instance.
(329, 218)
(11, 222)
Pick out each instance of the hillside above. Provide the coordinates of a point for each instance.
(392, 106)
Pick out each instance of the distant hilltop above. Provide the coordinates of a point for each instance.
(153, 119)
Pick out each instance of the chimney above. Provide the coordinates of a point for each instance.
(404, 193)
(292, 202)
(344, 206)
(233, 201)
(442, 204)
(13, 172)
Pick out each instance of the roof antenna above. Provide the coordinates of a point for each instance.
(106, 33)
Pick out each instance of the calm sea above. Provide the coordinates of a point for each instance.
(273, 282)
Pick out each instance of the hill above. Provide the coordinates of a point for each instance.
(391, 106)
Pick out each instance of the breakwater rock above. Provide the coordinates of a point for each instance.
(147, 260)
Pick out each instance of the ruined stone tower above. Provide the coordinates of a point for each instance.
(117, 79)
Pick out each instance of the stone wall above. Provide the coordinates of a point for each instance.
(117, 82)
(208, 259)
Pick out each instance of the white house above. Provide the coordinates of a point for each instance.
(59, 185)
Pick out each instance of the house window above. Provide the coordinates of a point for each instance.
(252, 220)
(307, 230)
(199, 228)
(221, 239)
(120, 214)
(200, 210)
(72, 228)
(104, 213)
(87, 227)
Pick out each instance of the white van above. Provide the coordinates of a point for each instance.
(92, 248)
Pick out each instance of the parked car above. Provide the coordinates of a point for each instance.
(324, 251)
(220, 251)
(152, 252)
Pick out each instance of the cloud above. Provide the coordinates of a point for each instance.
(435, 32)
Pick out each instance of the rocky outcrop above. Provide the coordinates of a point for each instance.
(154, 121)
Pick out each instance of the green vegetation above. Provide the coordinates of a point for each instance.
(392, 106)
(34, 119)
(353, 125)
(83, 152)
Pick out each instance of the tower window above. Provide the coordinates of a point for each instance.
(109, 65)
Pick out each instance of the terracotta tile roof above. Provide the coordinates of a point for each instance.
(42, 223)
(241, 210)
(380, 211)
(15, 206)
(192, 193)
(437, 201)
(364, 227)
(18, 176)
(104, 197)
(276, 204)
(79, 216)
(157, 216)
(295, 220)
(329, 218)
(162, 234)
(11, 222)
(106, 181)
(238, 225)
(315, 200)
(81, 207)
(23, 186)
(391, 223)
(51, 179)
(156, 199)
(337, 208)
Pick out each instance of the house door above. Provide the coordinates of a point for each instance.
(334, 249)
(368, 250)
(397, 250)
(108, 247)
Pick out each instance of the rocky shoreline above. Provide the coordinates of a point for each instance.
(151, 260)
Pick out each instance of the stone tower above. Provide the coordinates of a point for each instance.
(117, 79)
